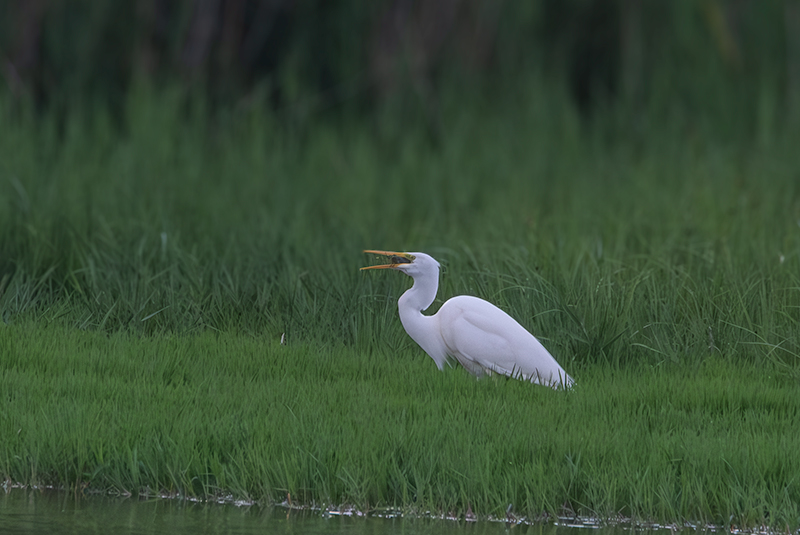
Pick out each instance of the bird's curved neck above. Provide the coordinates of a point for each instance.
(423, 329)
(421, 295)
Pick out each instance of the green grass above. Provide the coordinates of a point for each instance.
(150, 264)
(612, 248)
(210, 414)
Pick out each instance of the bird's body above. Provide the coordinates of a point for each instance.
(480, 336)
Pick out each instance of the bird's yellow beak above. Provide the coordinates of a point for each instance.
(394, 257)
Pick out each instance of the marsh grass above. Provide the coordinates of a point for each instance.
(151, 264)
(218, 413)
(614, 249)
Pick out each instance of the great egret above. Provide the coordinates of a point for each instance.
(480, 336)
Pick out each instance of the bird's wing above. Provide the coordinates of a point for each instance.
(477, 332)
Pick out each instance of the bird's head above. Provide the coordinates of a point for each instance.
(411, 264)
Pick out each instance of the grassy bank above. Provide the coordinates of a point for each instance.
(151, 263)
(216, 413)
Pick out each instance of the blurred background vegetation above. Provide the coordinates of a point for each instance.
(735, 62)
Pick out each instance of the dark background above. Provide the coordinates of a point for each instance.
(735, 62)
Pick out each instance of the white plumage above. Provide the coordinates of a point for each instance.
(480, 336)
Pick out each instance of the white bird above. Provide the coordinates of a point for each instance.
(480, 336)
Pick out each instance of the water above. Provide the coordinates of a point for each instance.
(32, 511)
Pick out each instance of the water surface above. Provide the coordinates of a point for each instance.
(25, 511)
